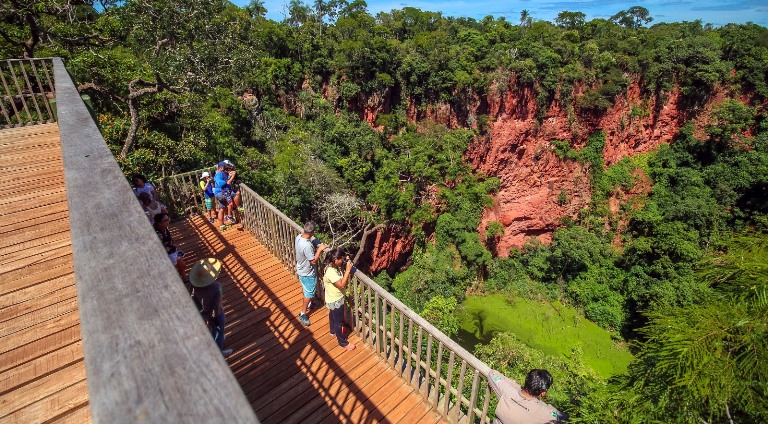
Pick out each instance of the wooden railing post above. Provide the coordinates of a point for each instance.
(22, 82)
(389, 327)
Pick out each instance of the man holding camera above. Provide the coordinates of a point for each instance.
(522, 405)
(308, 252)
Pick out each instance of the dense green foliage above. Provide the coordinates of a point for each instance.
(180, 85)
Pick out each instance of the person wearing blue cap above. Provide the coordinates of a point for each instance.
(225, 176)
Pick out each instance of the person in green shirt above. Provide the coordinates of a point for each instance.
(338, 271)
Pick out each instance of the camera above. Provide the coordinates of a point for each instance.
(344, 265)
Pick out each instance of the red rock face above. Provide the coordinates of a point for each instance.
(390, 250)
(537, 188)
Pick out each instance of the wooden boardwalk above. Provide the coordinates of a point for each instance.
(291, 373)
(42, 374)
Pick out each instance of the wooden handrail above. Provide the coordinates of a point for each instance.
(181, 193)
(148, 355)
(27, 92)
(437, 367)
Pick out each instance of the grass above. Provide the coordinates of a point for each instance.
(551, 328)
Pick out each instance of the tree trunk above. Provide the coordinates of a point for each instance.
(131, 137)
(368, 231)
(34, 38)
(133, 106)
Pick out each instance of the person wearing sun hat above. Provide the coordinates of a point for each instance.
(206, 292)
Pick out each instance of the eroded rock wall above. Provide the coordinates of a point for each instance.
(537, 188)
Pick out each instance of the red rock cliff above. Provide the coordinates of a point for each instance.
(538, 189)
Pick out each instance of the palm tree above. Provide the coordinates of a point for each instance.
(708, 362)
(525, 18)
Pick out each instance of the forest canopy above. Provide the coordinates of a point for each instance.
(327, 115)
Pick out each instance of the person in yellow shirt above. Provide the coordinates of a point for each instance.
(338, 271)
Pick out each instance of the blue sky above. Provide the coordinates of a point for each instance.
(717, 12)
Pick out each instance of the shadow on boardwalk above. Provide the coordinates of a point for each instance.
(291, 373)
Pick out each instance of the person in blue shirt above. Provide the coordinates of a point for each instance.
(223, 180)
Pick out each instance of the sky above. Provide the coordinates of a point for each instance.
(716, 12)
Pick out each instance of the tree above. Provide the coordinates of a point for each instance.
(185, 46)
(633, 18)
(441, 312)
(525, 18)
(570, 20)
(256, 9)
(708, 362)
(343, 218)
(25, 25)
(730, 120)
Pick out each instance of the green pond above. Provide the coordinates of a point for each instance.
(549, 327)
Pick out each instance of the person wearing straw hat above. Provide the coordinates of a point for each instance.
(206, 292)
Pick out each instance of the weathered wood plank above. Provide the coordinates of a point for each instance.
(148, 365)
(409, 412)
(48, 293)
(22, 258)
(40, 388)
(29, 276)
(42, 216)
(21, 375)
(39, 331)
(35, 238)
(65, 303)
(34, 182)
(77, 416)
(15, 214)
(13, 356)
(20, 197)
(23, 235)
(331, 387)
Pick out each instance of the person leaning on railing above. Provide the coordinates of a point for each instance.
(141, 185)
(522, 405)
(206, 185)
(224, 179)
(151, 207)
(308, 251)
(338, 271)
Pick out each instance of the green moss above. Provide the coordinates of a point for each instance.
(551, 328)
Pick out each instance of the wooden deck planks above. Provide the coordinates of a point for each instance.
(42, 373)
(289, 372)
